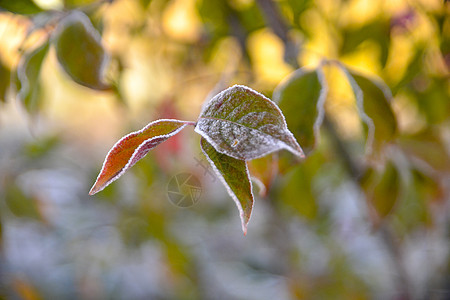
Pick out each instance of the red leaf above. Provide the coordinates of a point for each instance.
(132, 147)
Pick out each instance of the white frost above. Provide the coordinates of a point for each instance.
(138, 152)
(253, 135)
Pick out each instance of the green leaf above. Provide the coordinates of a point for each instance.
(244, 124)
(414, 68)
(80, 52)
(20, 204)
(214, 15)
(428, 147)
(373, 100)
(79, 3)
(234, 175)
(264, 169)
(430, 187)
(433, 101)
(297, 191)
(28, 73)
(382, 189)
(420, 199)
(301, 98)
(20, 6)
(5, 77)
(132, 147)
(377, 31)
(145, 3)
(251, 18)
(41, 147)
(298, 7)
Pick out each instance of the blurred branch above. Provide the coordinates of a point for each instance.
(396, 256)
(354, 169)
(275, 21)
(239, 32)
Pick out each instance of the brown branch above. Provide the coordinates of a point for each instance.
(276, 22)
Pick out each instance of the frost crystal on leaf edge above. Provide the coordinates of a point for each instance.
(277, 146)
(95, 189)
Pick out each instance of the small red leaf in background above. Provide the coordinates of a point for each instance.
(132, 147)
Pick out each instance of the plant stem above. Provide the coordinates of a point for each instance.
(352, 167)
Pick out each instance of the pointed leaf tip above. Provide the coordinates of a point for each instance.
(235, 176)
(132, 147)
(245, 125)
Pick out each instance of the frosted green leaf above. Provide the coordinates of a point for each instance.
(80, 52)
(382, 189)
(244, 124)
(301, 97)
(377, 99)
(235, 176)
(373, 101)
(428, 147)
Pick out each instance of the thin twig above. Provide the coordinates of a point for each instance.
(352, 167)
(281, 29)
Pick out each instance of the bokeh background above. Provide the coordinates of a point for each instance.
(314, 234)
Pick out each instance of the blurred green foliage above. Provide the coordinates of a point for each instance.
(343, 223)
(298, 100)
(28, 78)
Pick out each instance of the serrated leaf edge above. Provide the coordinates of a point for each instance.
(95, 190)
(320, 100)
(231, 193)
(359, 96)
(298, 152)
(320, 106)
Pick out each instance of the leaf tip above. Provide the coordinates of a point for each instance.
(296, 149)
(245, 219)
(244, 225)
(301, 154)
(100, 184)
(94, 190)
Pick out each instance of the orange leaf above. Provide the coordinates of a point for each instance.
(132, 147)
